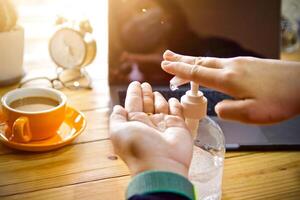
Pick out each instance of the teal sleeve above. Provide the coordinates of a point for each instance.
(151, 182)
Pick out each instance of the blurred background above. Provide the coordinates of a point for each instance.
(38, 19)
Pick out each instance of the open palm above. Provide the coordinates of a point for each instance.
(150, 133)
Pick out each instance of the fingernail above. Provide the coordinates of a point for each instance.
(175, 82)
(217, 107)
(169, 53)
(165, 63)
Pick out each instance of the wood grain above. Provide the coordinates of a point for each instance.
(113, 188)
(269, 175)
(252, 176)
(25, 172)
(83, 170)
(84, 164)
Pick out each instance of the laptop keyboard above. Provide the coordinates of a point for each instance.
(213, 97)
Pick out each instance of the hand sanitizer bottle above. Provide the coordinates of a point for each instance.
(206, 169)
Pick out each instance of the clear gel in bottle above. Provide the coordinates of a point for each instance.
(206, 168)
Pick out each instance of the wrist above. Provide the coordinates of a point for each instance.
(160, 164)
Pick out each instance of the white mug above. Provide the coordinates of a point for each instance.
(11, 56)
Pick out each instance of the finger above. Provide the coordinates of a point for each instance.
(208, 77)
(118, 115)
(175, 107)
(171, 56)
(176, 81)
(239, 110)
(160, 104)
(210, 62)
(134, 99)
(148, 103)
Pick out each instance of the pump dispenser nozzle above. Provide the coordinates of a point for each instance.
(194, 107)
(194, 88)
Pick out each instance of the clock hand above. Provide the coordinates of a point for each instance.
(71, 51)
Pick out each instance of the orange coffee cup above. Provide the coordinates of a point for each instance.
(27, 125)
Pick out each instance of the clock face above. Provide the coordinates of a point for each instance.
(67, 48)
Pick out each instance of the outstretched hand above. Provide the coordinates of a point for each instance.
(264, 90)
(150, 133)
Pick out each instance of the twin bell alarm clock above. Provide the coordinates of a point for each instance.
(72, 44)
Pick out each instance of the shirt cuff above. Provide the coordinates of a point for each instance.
(150, 182)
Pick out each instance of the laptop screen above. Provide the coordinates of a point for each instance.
(141, 30)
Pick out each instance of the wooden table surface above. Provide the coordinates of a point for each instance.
(84, 170)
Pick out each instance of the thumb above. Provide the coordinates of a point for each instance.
(118, 115)
(239, 110)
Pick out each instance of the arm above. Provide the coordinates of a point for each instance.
(157, 147)
(264, 90)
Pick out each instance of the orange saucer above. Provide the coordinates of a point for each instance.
(71, 128)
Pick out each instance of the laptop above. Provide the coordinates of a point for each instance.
(141, 30)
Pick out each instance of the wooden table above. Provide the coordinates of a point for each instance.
(85, 170)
